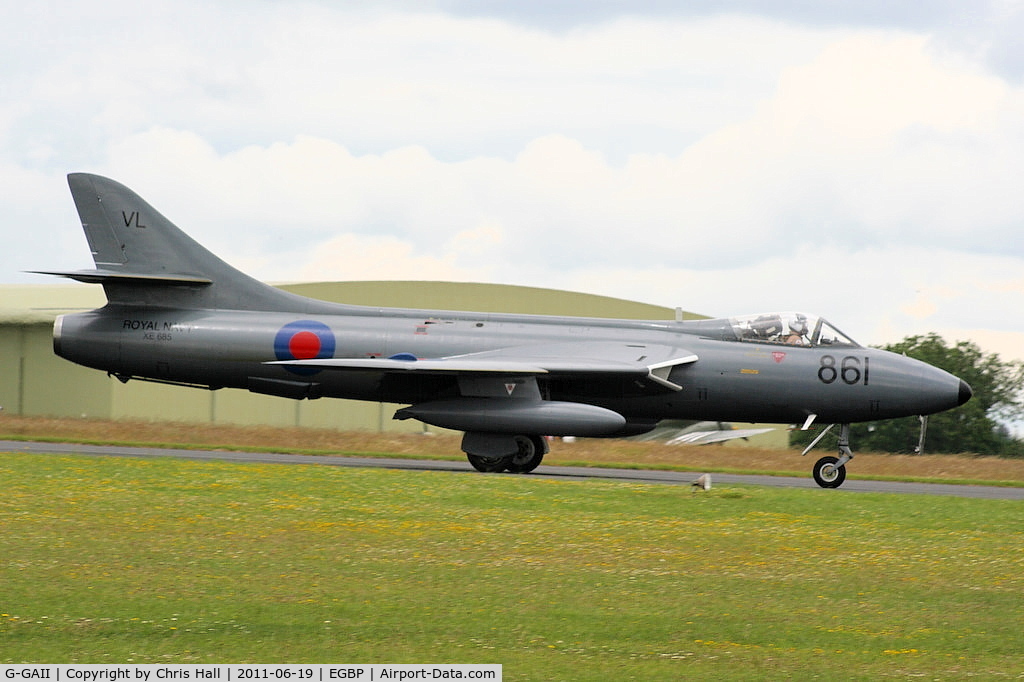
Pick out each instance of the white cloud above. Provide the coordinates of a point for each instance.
(377, 80)
(353, 257)
(728, 164)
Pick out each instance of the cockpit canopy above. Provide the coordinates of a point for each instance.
(793, 329)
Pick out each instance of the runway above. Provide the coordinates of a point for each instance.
(551, 472)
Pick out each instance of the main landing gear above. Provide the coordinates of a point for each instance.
(494, 453)
(830, 472)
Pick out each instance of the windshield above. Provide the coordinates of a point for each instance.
(792, 329)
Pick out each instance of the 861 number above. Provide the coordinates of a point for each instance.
(850, 369)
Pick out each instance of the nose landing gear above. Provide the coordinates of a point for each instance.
(830, 472)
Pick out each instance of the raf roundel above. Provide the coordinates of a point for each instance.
(304, 340)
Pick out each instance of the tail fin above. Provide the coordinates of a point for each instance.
(142, 258)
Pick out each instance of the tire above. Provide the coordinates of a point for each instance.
(826, 474)
(529, 456)
(489, 465)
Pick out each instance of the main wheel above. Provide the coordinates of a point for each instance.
(529, 455)
(827, 474)
(489, 465)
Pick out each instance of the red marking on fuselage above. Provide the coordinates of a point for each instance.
(304, 346)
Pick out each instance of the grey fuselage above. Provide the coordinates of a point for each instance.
(733, 380)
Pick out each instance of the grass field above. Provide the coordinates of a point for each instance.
(148, 561)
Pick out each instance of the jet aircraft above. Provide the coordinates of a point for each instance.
(178, 314)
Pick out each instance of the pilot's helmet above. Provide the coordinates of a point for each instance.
(798, 325)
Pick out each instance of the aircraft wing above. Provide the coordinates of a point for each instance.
(642, 361)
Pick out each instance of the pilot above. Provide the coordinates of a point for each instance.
(797, 331)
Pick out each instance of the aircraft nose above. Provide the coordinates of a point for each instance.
(965, 392)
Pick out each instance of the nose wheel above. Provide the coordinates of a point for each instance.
(830, 472)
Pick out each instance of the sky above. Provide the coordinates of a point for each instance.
(855, 160)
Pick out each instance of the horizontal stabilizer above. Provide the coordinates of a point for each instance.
(102, 276)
